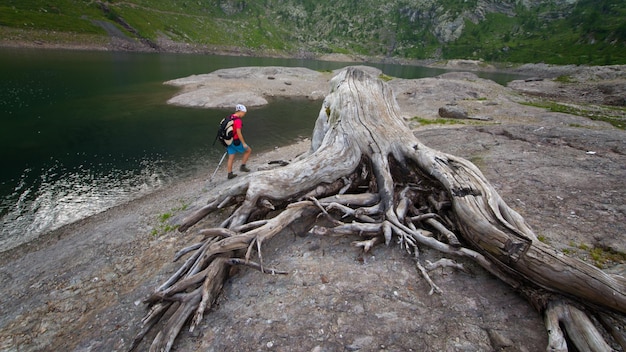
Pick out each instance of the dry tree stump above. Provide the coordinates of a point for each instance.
(366, 175)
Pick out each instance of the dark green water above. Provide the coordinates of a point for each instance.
(84, 131)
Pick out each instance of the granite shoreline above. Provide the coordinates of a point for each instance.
(80, 287)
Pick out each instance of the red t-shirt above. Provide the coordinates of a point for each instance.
(236, 126)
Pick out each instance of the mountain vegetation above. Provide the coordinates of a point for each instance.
(551, 31)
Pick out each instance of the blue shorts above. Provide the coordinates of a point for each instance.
(234, 149)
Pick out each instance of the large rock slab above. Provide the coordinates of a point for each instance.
(251, 86)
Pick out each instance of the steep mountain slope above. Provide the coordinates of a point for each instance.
(551, 31)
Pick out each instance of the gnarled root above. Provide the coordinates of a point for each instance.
(563, 320)
(368, 176)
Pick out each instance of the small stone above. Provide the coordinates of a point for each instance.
(453, 112)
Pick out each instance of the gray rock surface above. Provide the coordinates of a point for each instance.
(80, 287)
(251, 86)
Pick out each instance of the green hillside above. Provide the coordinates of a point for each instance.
(552, 31)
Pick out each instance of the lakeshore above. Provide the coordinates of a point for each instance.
(80, 287)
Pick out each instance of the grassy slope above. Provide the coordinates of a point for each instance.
(593, 32)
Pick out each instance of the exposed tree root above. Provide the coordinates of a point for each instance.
(368, 176)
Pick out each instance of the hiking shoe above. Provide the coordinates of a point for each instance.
(244, 168)
(231, 175)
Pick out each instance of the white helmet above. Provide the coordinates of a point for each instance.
(241, 107)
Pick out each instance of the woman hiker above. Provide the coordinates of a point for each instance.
(238, 146)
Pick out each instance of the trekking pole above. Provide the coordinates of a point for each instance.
(218, 166)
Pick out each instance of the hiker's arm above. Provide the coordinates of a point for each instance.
(241, 138)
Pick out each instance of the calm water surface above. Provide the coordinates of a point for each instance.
(84, 131)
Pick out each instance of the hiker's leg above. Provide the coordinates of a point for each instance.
(246, 155)
(229, 163)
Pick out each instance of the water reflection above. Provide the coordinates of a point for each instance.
(44, 200)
